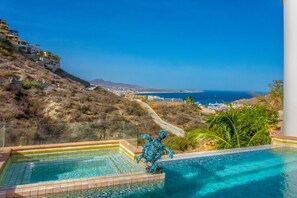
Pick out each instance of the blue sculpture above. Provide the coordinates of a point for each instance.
(152, 152)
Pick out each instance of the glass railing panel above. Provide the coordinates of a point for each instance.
(131, 133)
(16, 135)
(2, 137)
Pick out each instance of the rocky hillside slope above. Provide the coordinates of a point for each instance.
(32, 95)
(182, 115)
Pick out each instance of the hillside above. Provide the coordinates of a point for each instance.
(38, 96)
(182, 115)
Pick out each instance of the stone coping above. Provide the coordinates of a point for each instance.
(73, 144)
(283, 137)
(216, 152)
(45, 188)
(130, 148)
(285, 141)
(62, 149)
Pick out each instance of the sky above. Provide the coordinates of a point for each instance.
(181, 44)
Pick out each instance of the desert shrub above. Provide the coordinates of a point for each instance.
(98, 88)
(28, 84)
(179, 144)
(135, 109)
(275, 97)
(190, 101)
(84, 108)
(182, 119)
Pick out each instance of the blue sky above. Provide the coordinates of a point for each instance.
(184, 44)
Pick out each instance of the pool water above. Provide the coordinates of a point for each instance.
(262, 173)
(35, 168)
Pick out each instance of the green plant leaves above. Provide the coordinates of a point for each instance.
(240, 127)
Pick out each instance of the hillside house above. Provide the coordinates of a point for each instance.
(43, 58)
(33, 51)
(3, 28)
(5, 32)
(12, 36)
(50, 60)
(24, 46)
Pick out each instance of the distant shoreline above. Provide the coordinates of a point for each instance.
(168, 92)
(204, 98)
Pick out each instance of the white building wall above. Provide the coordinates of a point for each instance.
(290, 78)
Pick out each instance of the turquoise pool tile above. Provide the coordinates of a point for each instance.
(255, 174)
(37, 168)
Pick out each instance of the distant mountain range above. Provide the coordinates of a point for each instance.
(112, 85)
(128, 87)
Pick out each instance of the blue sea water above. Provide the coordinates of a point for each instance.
(207, 97)
(254, 174)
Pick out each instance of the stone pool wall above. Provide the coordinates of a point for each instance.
(45, 188)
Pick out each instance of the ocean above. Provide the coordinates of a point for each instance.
(207, 97)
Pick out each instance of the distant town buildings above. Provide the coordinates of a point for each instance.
(160, 99)
(33, 51)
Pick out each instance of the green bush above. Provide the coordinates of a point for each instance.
(190, 100)
(275, 97)
(178, 144)
(235, 128)
(28, 84)
(98, 88)
(135, 109)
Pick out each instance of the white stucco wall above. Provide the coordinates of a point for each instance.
(290, 78)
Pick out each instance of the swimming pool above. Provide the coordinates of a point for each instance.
(260, 173)
(66, 165)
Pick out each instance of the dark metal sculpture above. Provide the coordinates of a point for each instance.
(152, 152)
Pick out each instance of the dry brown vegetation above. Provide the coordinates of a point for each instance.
(185, 116)
(59, 100)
